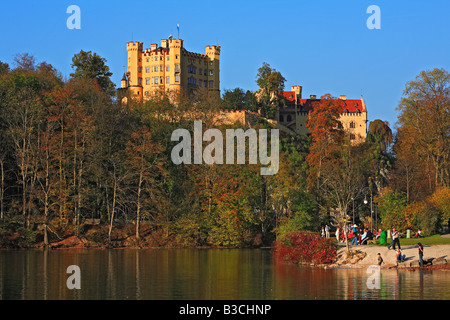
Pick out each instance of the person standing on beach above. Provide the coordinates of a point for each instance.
(420, 254)
(395, 239)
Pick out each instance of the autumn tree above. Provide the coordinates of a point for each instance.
(424, 111)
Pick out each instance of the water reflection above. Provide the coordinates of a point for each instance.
(199, 274)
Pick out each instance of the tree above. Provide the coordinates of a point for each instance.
(234, 99)
(145, 163)
(92, 66)
(380, 138)
(25, 62)
(424, 109)
(391, 207)
(24, 113)
(271, 84)
(4, 68)
(380, 134)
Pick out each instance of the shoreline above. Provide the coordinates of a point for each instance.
(431, 252)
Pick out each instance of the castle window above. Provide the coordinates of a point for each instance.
(177, 67)
(192, 69)
(156, 80)
(205, 83)
(200, 71)
(161, 80)
(148, 59)
(147, 81)
(147, 70)
(352, 125)
(339, 125)
(168, 68)
(211, 83)
(146, 93)
(289, 118)
(176, 56)
(167, 79)
(192, 80)
(281, 118)
(210, 63)
(352, 137)
(211, 72)
(140, 69)
(140, 80)
(155, 69)
(177, 78)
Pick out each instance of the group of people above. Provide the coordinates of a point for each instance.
(402, 257)
(357, 235)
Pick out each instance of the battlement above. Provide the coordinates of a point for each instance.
(135, 45)
(212, 50)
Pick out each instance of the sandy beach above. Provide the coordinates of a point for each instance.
(389, 256)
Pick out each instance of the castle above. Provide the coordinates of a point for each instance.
(170, 68)
(294, 114)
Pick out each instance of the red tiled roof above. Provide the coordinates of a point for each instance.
(351, 105)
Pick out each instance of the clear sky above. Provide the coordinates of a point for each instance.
(323, 45)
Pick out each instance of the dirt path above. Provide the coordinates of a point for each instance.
(389, 256)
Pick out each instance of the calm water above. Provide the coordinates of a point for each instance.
(199, 274)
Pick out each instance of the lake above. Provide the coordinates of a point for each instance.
(200, 274)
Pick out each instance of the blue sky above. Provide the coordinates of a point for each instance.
(323, 45)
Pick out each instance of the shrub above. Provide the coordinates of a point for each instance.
(306, 247)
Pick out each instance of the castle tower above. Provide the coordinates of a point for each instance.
(213, 54)
(124, 81)
(297, 91)
(134, 50)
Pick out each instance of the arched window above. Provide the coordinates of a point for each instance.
(352, 125)
(281, 118)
